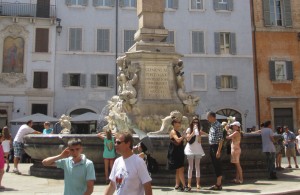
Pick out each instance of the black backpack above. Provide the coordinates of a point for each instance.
(152, 164)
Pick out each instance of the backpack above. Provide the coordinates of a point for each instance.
(152, 164)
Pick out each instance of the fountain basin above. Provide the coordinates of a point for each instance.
(42, 146)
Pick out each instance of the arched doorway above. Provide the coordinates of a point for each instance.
(83, 127)
(231, 112)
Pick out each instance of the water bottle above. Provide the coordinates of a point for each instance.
(196, 130)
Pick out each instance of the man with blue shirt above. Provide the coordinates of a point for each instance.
(290, 146)
(78, 170)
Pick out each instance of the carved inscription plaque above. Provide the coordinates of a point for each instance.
(157, 82)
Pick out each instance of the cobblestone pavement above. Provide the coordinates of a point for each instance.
(288, 183)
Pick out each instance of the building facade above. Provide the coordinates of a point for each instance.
(213, 35)
(27, 60)
(276, 41)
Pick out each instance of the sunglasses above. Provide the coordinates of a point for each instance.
(72, 150)
(119, 142)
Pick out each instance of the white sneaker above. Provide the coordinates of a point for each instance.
(16, 171)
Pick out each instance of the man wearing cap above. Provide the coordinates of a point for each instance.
(216, 143)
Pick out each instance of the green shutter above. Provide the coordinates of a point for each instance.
(232, 40)
(121, 3)
(82, 80)
(93, 80)
(272, 70)
(216, 4)
(68, 2)
(218, 82)
(112, 3)
(66, 80)
(289, 70)
(267, 14)
(85, 2)
(230, 5)
(111, 80)
(175, 4)
(234, 82)
(217, 43)
(95, 3)
(288, 22)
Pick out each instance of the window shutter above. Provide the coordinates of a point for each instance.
(93, 80)
(218, 82)
(112, 3)
(232, 44)
(66, 80)
(267, 14)
(234, 82)
(121, 3)
(230, 5)
(68, 2)
(95, 3)
(78, 39)
(85, 2)
(217, 43)
(193, 4)
(287, 13)
(111, 80)
(216, 4)
(82, 80)
(134, 2)
(175, 4)
(289, 70)
(272, 70)
(106, 40)
(72, 36)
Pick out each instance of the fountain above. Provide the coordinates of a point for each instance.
(151, 92)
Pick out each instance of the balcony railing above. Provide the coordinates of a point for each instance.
(27, 10)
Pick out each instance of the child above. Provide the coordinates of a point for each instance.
(47, 129)
(6, 145)
(1, 164)
(109, 154)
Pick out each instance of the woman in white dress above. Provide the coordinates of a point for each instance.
(298, 141)
(6, 144)
(193, 150)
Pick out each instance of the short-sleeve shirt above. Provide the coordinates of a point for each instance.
(215, 133)
(47, 131)
(23, 130)
(129, 175)
(76, 175)
(267, 144)
(289, 136)
(109, 149)
(298, 141)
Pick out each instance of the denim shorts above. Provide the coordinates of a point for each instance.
(18, 149)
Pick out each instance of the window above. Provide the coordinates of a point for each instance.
(128, 39)
(284, 116)
(197, 42)
(230, 112)
(127, 3)
(39, 108)
(196, 4)
(103, 38)
(225, 43)
(73, 80)
(40, 80)
(223, 5)
(226, 82)
(171, 4)
(199, 82)
(170, 38)
(277, 13)
(41, 39)
(104, 3)
(77, 2)
(75, 39)
(102, 80)
(281, 70)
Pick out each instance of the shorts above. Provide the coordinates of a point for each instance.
(18, 149)
(194, 156)
(290, 152)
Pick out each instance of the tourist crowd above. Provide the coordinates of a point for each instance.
(131, 173)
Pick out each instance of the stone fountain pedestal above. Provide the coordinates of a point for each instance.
(42, 146)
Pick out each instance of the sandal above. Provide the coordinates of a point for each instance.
(198, 187)
(216, 187)
(233, 181)
(187, 189)
(176, 187)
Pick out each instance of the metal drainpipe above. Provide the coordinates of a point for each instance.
(255, 61)
(117, 33)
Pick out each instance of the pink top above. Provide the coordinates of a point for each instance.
(2, 162)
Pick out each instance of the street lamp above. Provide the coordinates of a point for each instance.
(58, 27)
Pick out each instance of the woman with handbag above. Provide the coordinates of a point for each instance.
(193, 150)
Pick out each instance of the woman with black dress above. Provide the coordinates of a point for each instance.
(176, 155)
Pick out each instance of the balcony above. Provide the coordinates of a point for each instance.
(39, 10)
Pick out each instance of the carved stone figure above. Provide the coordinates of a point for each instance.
(65, 124)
